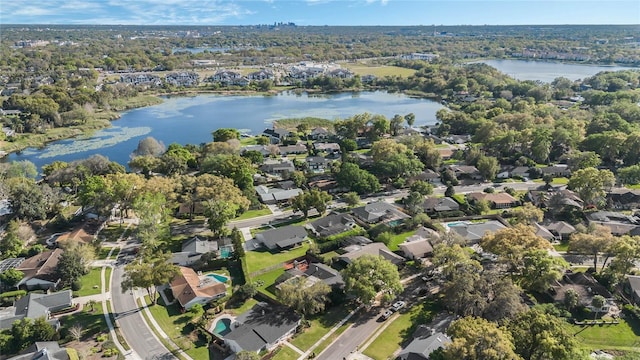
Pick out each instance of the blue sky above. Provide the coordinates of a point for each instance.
(320, 12)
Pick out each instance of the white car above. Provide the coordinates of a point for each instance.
(398, 305)
(386, 314)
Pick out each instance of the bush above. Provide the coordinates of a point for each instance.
(76, 285)
(13, 294)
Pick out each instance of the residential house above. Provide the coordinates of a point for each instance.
(433, 205)
(586, 287)
(328, 185)
(277, 167)
(496, 200)
(445, 154)
(261, 75)
(192, 251)
(327, 147)
(332, 225)
(40, 271)
(421, 347)
(465, 172)
(560, 170)
(262, 149)
(619, 223)
(184, 78)
(416, 249)
(276, 136)
(313, 271)
(226, 77)
(318, 164)
(43, 350)
(543, 232)
(419, 56)
(634, 287)
(10, 112)
(380, 212)
(376, 249)
(564, 197)
(33, 306)
(141, 79)
(623, 198)
(520, 171)
(561, 230)
(189, 289)
(283, 237)
(293, 149)
(458, 139)
(276, 195)
(261, 328)
(427, 175)
(77, 236)
(320, 133)
(474, 231)
(340, 73)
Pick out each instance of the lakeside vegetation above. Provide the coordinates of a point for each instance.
(308, 122)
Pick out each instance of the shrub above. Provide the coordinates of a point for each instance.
(13, 294)
(76, 285)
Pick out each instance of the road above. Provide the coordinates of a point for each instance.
(129, 318)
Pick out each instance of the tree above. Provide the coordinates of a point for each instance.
(413, 202)
(512, 244)
(596, 240)
(356, 179)
(41, 330)
(10, 277)
(311, 199)
(396, 124)
(27, 200)
(153, 227)
(254, 156)
(450, 191)
(369, 275)
(571, 299)
(597, 303)
(76, 332)
(488, 167)
(149, 146)
(351, 198)
(422, 187)
(540, 270)
(11, 245)
(590, 184)
(304, 298)
(75, 262)
(247, 355)
(236, 239)
(218, 215)
(478, 339)
(149, 272)
(410, 118)
(539, 336)
(225, 134)
(528, 214)
(625, 252)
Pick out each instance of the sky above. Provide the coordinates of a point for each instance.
(320, 12)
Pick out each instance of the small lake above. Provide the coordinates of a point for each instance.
(191, 120)
(547, 71)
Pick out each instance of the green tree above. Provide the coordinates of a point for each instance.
(225, 134)
(11, 245)
(75, 262)
(478, 339)
(598, 302)
(27, 200)
(254, 156)
(422, 187)
(153, 227)
(10, 277)
(236, 239)
(410, 118)
(540, 336)
(596, 240)
(528, 214)
(41, 330)
(590, 184)
(488, 167)
(351, 198)
(571, 299)
(395, 124)
(356, 179)
(149, 272)
(311, 199)
(218, 215)
(625, 252)
(540, 270)
(413, 202)
(512, 244)
(369, 275)
(306, 299)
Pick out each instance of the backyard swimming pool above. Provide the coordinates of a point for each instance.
(221, 278)
(223, 326)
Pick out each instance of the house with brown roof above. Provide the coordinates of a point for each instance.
(77, 236)
(190, 289)
(40, 271)
(496, 200)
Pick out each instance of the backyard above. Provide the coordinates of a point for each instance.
(262, 259)
(623, 336)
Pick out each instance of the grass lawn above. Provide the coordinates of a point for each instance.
(556, 181)
(268, 279)
(623, 336)
(241, 307)
(103, 253)
(286, 353)
(633, 187)
(399, 239)
(379, 71)
(253, 213)
(260, 259)
(112, 232)
(563, 246)
(92, 322)
(91, 283)
(400, 330)
(320, 325)
(459, 198)
(107, 277)
(179, 329)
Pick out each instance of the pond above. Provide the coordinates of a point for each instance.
(547, 71)
(191, 120)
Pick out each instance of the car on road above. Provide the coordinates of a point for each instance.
(386, 314)
(398, 305)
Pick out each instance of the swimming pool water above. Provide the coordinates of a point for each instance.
(221, 278)
(223, 326)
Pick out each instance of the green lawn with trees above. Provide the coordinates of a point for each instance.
(262, 259)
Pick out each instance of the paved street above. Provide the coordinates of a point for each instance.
(365, 325)
(130, 320)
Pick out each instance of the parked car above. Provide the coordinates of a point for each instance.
(386, 314)
(398, 305)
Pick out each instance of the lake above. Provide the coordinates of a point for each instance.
(547, 71)
(191, 120)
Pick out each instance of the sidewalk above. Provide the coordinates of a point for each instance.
(328, 334)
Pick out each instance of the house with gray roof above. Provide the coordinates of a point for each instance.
(422, 347)
(634, 287)
(192, 251)
(432, 205)
(282, 238)
(376, 249)
(416, 249)
(332, 225)
(34, 306)
(379, 211)
(619, 223)
(543, 232)
(473, 232)
(276, 195)
(314, 272)
(43, 350)
(261, 328)
(277, 166)
(561, 230)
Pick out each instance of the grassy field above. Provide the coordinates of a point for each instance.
(556, 181)
(267, 280)
(177, 326)
(398, 239)
(320, 325)
(242, 306)
(624, 336)
(257, 260)
(91, 283)
(250, 214)
(286, 353)
(563, 246)
(92, 322)
(379, 71)
(400, 330)
(103, 253)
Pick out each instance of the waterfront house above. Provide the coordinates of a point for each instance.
(186, 79)
(226, 77)
(277, 167)
(261, 75)
(276, 136)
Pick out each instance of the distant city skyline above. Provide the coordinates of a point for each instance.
(320, 12)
